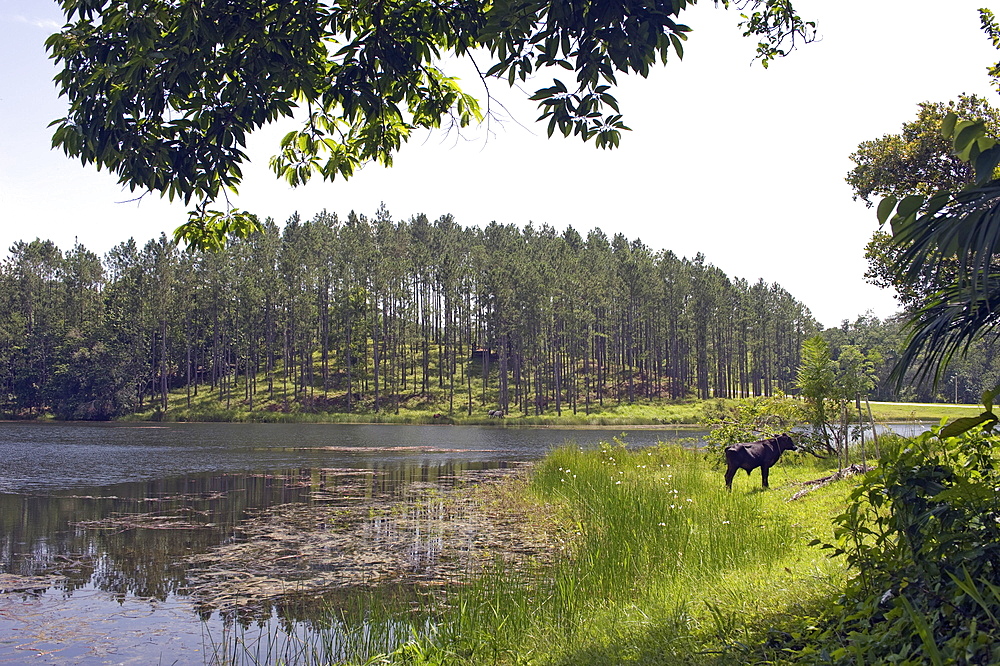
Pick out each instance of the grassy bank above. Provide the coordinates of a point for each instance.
(928, 412)
(262, 401)
(667, 567)
(659, 565)
(432, 409)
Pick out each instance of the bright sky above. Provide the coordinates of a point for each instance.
(744, 164)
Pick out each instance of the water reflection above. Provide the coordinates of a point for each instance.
(115, 528)
(45, 457)
(132, 538)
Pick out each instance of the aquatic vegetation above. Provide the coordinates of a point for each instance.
(350, 539)
(655, 563)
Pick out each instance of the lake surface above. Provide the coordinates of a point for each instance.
(56, 456)
(109, 533)
(100, 523)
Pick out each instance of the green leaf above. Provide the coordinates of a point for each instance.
(924, 631)
(885, 208)
(965, 138)
(959, 426)
(678, 46)
(948, 125)
(986, 164)
(910, 205)
(937, 202)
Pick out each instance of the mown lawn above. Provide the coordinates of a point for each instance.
(930, 412)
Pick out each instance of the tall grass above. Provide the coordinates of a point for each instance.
(650, 527)
(659, 565)
(352, 628)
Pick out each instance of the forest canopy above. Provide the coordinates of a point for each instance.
(163, 93)
(370, 313)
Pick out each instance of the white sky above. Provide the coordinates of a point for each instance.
(744, 164)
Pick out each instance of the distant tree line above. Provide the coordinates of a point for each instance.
(881, 341)
(362, 313)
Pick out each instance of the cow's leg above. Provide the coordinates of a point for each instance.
(730, 473)
(763, 474)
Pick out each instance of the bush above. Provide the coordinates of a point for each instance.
(921, 535)
(748, 420)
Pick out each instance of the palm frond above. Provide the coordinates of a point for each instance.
(958, 239)
(948, 323)
(955, 243)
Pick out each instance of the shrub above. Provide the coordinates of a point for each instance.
(748, 420)
(921, 535)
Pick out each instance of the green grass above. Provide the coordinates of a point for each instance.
(416, 409)
(670, 568)
(667, 568)
(905, 411)
(313, 404)
(206, 406)
(660, 566)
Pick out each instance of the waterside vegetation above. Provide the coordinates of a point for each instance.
(660, 565)
(657, 564)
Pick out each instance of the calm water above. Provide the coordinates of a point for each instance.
(98, 522)
(36, 457)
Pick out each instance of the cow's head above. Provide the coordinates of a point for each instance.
(785, 442)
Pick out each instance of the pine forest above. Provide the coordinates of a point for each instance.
(371, 314)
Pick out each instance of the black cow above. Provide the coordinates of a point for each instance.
(763, 454)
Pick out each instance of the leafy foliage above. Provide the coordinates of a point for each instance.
(918, 160)
(816, 377)
(921, 536)
(950, 238)
(882, 342)
(987, 420)
(749, 419)
(164, 93)
(828, 386)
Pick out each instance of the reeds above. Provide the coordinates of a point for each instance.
(659, 564)
(650, 527)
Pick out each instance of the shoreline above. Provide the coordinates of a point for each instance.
(884, 412)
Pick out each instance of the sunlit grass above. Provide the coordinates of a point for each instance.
(904, 411)
(668, 567)
(315, 405)
(432, 408)
(660, 565)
